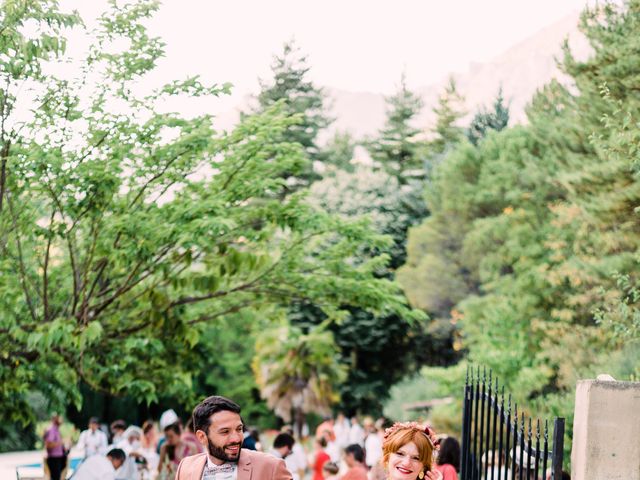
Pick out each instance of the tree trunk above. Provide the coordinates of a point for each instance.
(300, 418)
(4, 156)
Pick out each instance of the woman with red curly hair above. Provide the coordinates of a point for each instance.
(408, 450)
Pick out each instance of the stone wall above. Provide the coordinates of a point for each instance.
(606, 430)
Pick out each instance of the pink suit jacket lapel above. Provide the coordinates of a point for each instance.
(244, 465)
(198, 469)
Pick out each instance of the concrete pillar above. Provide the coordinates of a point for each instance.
(606, 430)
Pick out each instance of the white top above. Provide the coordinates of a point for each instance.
(95, 467)
(356, 434)
(93, 443)
(296, 461)
(341, 429)
(373, 448)
(333, 450)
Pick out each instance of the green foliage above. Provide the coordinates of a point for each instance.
(447, 132)
(535, 227)
(297, 371)
(404, 396)
(126, 234)
(299, 97)
(225, 352)
(372, 193)
(378, 350)
(397, 148)
(338, 153)
(485, 120)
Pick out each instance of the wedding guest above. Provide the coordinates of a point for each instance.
(354, 458)
(448, 460)
(149, 438)
(330, 471)
(189, 436)
(56, 451)
(297, 461)
(173, 450)
(372, 444)
(117, 429)
(356, 433)
(320, 458)
(282, 446)
(100, 467)
(93, 441)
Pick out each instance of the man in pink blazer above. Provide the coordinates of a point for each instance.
(219, 428)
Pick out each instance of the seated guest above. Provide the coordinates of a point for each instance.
(97, 467)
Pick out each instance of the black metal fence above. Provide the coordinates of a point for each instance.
(500, 444)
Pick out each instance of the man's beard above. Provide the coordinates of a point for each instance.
(220, 454)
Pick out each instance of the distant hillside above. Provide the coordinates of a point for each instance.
(520, 70)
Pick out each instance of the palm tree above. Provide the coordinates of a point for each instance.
(297, 372)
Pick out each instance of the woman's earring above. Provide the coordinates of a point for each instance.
(421, 475)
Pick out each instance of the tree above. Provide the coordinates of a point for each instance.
(446, 132)
(397, 147)
(127, 232)
(371, 193)
(433, 277)
(300, 97)
(549, 227)
(298, 372)
(338, 153)
(378, 350)
(484, 120)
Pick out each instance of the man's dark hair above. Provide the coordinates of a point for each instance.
(119, 424)
(117, 454)
(175, 427)
(210, 405)
(565, 476)
(94, 420)
(449, 453)
(331, 468)
(357, 452)
(283, 440)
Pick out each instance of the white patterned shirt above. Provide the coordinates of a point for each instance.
(226, 471)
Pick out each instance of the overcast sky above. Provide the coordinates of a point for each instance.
(360, 45)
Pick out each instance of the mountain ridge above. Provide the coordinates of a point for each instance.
(520, 70)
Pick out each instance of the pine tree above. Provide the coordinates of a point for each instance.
(339, 151)
(397, 148)
(485, 120)
(449, 111)
(301, 97)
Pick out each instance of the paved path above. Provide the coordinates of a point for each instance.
(10, 461)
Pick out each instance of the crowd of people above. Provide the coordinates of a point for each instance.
(123, 452)
(340, 449)
(215, 444)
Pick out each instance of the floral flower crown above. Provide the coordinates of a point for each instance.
(428, 432)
